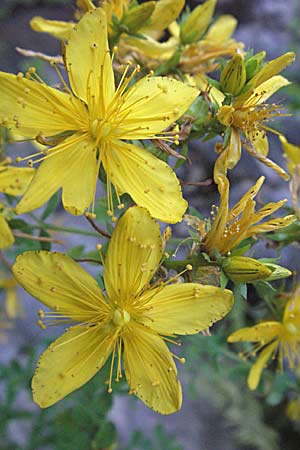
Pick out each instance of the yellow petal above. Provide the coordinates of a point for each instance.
(272, 68)
(150, 370)
(6, 237)
(165, 12)
(89, 63)
(30, 108)
(59, 29)
(259, 141)
(72, 166)
(60, 283)
(69, 362)
(291, 152)
(263, 332)
(265, 90)
(152, 48)
(249, 195)
(221, 30)
(154, 104)
(271, 225)
(215, 236)
(133, 255)
(186, 308)
(148, 180)
(259, 365)
(15, 180)
(229, 157)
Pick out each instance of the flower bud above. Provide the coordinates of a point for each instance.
(137, 16)
(196, 23)
(254, 64)
(233, 76)
(225, 115)
(242, 269)
(278, 272)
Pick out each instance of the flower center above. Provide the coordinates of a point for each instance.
(121, 317)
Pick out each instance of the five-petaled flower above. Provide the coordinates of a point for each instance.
(271, 338)
(92, 123)
(231, 226)
(249, 113)
(133, 317)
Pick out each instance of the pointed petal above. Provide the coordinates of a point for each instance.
(150, 370)
(265, 90)
(152, 48)
(215, 236)
(186, 308)
(72, 166)
(259, 365)
(263, 332)
(15, 180)
(259, 141)
(165, 12)
(148, 180)
(61, 284)
(249, 195)
(221, 30)
(154, 104)
(30, 108)
(292, 154)
(57, 28)
(133, 255)
(6, 237)
(272, 68)
(70, 362)
(270, 225)
(91, 77)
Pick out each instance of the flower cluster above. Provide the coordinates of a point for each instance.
(119, 125)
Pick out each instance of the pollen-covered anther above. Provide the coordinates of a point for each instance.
(121, 206)
(109, 212)
(114, 219)
(189, 267)
(90, 215)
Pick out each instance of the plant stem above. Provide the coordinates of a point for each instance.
(46, 226)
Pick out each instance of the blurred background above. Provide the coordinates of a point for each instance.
(217, 413)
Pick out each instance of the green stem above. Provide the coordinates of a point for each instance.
(180, 264)
(46, 226)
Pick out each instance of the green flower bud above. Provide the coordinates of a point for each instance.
(233, 76)
(137, 16)
(242, 269)
(278, 272)
(254, 64)
(196, 23)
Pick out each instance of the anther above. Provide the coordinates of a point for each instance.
(109, 212)
(114, 219)
(189, 267)
(99, 247)
(121, 206)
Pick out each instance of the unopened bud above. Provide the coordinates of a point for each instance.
(137, 16)
(233, 76)
(242, 269)
(254, 64)
(196, 23)
(278, 272)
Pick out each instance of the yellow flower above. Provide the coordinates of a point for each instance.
(92, 124)
(13, 181)
(281, 338)
(249, 113)
(292, 154)
(231, 226)
(132, 318)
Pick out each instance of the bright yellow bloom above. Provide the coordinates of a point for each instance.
(281, 338)
(249, 114)
(292, 154)
(132, 318)
(13, 181)
(231, 226)
(92, 124)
